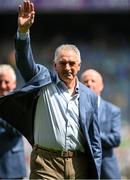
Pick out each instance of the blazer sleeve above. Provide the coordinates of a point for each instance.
(24, 58)
(113, 137)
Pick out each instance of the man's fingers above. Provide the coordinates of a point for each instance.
(32, 17)
(28, 6)
(32, 6)
(20, 10)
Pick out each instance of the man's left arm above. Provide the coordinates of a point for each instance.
(113, 138)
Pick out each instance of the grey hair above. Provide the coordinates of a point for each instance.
(8, 69)
(65, 47)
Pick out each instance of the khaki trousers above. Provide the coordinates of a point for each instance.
(46, 165)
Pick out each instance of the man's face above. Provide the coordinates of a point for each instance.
(7, 84)
(93, 80)
(67, 65)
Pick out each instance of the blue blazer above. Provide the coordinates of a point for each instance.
(22, 104)
(12, 159)
(109, 117)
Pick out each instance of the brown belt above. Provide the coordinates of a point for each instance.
(65, 154)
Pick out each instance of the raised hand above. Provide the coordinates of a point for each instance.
(25, 16)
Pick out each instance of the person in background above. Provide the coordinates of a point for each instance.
(12, 159)
(58, 114)
(109, 117)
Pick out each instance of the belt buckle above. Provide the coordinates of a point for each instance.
(70, 154)
(66, 154)
(63, 153)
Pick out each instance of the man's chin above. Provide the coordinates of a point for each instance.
(68, 79)
(4, 93)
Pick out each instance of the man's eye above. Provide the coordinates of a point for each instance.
(62, 63)
(71, 63)
(65, 63)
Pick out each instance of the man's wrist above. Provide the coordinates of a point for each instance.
(23, 35)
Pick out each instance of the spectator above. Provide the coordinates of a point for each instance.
(109, 117)
(12, 159)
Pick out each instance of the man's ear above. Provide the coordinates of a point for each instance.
(54, 65)
(14, 85)
(101, 87)
(79, 66)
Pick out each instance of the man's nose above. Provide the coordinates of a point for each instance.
(67, 66)
(3, 85)
(89, 84)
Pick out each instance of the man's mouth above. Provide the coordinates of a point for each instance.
(68, 74)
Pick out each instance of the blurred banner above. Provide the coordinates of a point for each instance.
(69, 5)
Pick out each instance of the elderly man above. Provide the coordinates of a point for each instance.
(109, 117)
(58, 114)
(12, 157)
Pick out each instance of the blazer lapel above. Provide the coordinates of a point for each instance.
(85, 111)
(102, 116)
